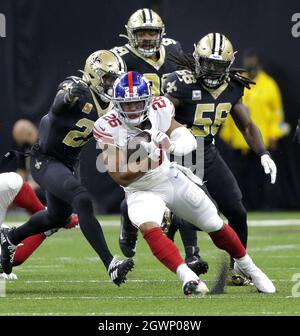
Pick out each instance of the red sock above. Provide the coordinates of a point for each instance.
(28, 200)
(226, 239)
(163, 249)
(30, 244)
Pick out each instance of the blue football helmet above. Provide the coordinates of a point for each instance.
(132, 97)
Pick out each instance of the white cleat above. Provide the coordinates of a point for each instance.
(195, 287)
(258, 277)
(8, 277)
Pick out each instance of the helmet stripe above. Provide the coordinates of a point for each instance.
(150, 13)
(216, 48)
(147, 15)
(144, 15)
(221, 44)
(130, 83)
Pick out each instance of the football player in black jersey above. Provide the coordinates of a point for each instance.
(150, 53)
(204, 92)
(62, 133)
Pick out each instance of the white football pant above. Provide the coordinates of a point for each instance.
(181, 196)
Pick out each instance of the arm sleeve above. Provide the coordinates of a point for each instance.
(101, 133)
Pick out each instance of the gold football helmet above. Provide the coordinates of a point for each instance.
(145, 19)
(213, 56)
(101, 70)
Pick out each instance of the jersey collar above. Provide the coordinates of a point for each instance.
(216, 92)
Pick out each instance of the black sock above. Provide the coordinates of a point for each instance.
(126, 222)
(91, 228)
(38, 223)
(188, 235)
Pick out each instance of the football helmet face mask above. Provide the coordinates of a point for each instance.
(213, 56)
(145, 31)
(132, 97)
(101, 70)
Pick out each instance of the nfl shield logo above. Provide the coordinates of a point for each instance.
(197, 95)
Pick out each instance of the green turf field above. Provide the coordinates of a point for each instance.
(64, 277)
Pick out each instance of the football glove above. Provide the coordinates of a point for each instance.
(152, 149)
(77, 91)
(162, 139)
(269, 166)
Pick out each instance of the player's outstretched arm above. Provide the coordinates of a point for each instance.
(253, 137)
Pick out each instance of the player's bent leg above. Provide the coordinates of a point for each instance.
(117, 269)
(146, 212)
(128, 233)
(10, 185)
(197, 208)
(27, 199)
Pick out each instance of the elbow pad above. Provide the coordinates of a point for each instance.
(183, 141)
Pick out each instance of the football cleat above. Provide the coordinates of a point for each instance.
(258, 277)
(167, 221)
(3, 275)
(127, 241)
(72, 223)
(235, 279)
(8, 250)
(118, 270)
(8, 277)
(194, 261)
(195, 287)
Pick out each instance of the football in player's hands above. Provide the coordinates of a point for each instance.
(135, 151)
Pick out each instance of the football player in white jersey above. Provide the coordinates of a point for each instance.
(150, 190)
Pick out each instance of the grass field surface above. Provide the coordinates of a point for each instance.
(65, 277)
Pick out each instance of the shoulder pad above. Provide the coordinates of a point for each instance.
(178, 79)
(168, 41)
(120, 51)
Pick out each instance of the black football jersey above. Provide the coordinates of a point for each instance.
(203, 110)
(63, 133)
(155, 71)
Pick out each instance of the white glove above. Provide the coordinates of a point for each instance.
(269, 166)
(152, 149)
(162, 139)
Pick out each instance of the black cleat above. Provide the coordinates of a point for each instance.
(127, 241)
(118, 270)
(194, 261)
(235, 279)
(8, 250)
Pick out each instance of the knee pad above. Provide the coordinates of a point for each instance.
(212, 224)
(14, 182)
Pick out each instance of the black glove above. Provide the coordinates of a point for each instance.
(296, 137)
(77, 91)
(10, 161)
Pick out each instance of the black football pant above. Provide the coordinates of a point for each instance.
(64, 193)
(222, 187)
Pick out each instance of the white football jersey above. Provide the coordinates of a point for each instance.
(110, 129)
